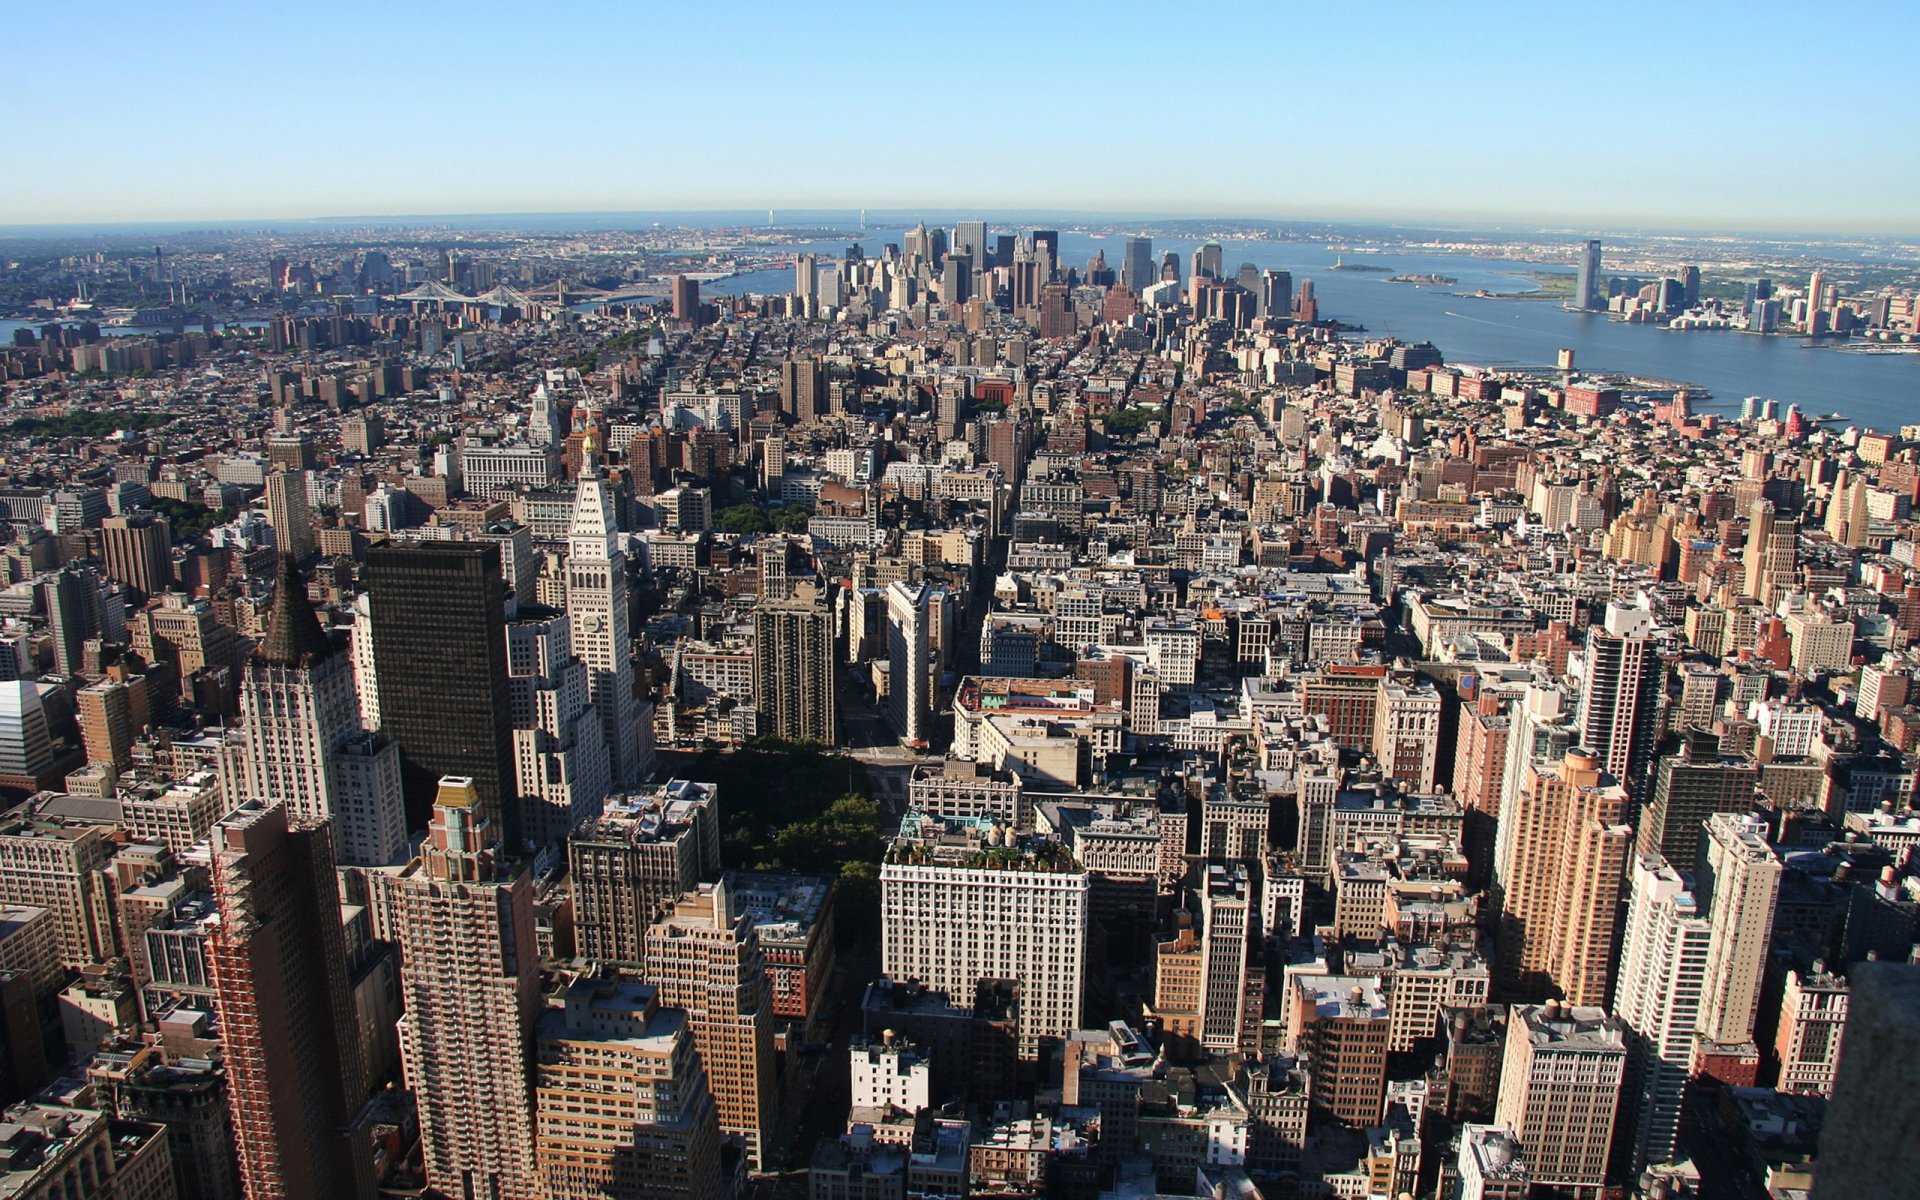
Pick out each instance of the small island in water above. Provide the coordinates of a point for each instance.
(1435, 278)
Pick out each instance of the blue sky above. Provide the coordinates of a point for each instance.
(1694, 115)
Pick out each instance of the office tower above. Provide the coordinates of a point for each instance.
(1406, 730)
(1340, 1025)
(806, 278)
(686, 298)
(910, 661)
(636, 859)
(1057, 317)
(970, 242)
(621, 1103)
(599, 613)
(1620, 695)
(1813, 1015)
(793, 670)
(1689, 286)
(1587, 286)
(956, 279)
(705, 958)
(1276, 294)
(559, 745)
(288, 1031)
(1230, 999)
(950, 917)
(73, 600)
(1170, 267)
(1208, 261)
(1658, 1001)
(288, 514)
(1565, 867)
(1137, 273)
(26, 747)
(1491, 1165)
(470, 983)
(108, 724)
(438, 612)
(137, 549)
(1770, 554)
(1560, 1086)
(1689, 787)
(1306, 308)
(803, 389)
(300, 708)
(1739, 886)
(1819, 298)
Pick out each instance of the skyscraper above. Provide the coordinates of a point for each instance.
(288, 513)
(137, 549)
(793, 670)
(288, 1033)
(1658, 1000)
(439, 648)
(559, 746)
(1586, 285)
(910, 661)
(1619, 697)
(1565, 865)
(623, 1109)
(705, 958)
(1689, 787)
(637, 858)
(1770, 555)
(598, 610)
(470, 982)
(1739, 886)
(300, 708)
(970, 241)
(1560, 1093)
(1137, 272)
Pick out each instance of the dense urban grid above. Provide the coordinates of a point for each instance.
(484, 719)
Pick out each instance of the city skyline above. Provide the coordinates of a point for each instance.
(1489, 93)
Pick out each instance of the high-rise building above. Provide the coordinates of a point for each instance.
(1209, 261)
(288, 1030)
(686, 298)
(1560, 1085)
(108, 722)
(1739, 888)
(970, 241)
(599, 613)
(438, 613)
(289, 514)
(1230, 996)
(1406, 730)
(1658, 1000)
(959, 904)
(793, 670)
(1813, 1015)
(635, 860)
(803, 389)
(1562, 880)
(559, 746)
(910, 661)
(470, 984)
(621, 1101)
(300, 707)
(1689, 787)
(1620, 694)
(1587, 292)
(59, 863)
(1340, 1024)
(705, 958)
(137, 549)
(1770, 554)
(1137, 272)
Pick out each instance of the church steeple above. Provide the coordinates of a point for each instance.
(295, 637)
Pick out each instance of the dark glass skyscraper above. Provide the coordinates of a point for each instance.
(1586, 288)
(440, 661)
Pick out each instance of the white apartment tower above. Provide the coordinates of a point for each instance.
(1658, 999)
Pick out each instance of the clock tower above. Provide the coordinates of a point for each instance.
(597, 612)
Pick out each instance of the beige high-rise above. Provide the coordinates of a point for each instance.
(705, 958)
(469, 977)
(1564, 871)
(1560, 1088)
(623, 1108)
